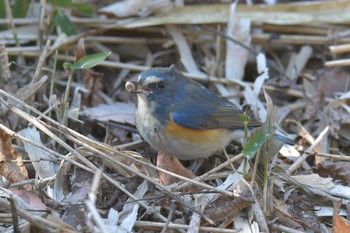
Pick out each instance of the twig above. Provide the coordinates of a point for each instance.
(296, 29)
(186, 57)
(14, 215)
(284, 228)
(37, 221)
(41, 61)
(330, 156)
(152, 225)
(32, 51)
(170, 216)
(218, 168)
(302, 158)
(336, 63)
(82, 139)
(90, 203)
(255, 167)
(339, 48)
(282, 40)
(10, 17)
(90, 165)
(75, 20)
(41, 125)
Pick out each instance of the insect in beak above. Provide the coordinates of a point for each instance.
(136, 87)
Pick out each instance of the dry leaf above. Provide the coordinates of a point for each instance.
(136, 8)
(313, 180)
(281, 14)
(43, 166)
(30, 198)
(334, 80)
(26, 94)
(172, 164)
(80, 49)
(316, 98)
(117, 112)
(11, 165)
(336, 170)
(5, 72)
(340, 224)
(92, 81)
(227, 206)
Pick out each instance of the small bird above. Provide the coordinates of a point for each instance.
(182, 116)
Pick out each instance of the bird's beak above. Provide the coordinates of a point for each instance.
(136, 87)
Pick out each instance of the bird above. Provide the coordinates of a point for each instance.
(182, 116)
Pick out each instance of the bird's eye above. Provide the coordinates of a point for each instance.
(160, 85)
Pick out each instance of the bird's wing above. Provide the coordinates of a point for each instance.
(200, 108)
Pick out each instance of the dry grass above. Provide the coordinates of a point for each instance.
(65, 170)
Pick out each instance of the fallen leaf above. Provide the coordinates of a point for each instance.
(340, 224)
(30, 198)
(92, 81)
(336, 170)
(316, 98)
(334, 80)
(313, 180)
(136, 8)
(227, 205)
(172, 164)
(11, 165)
(280, 14)
(117, 112)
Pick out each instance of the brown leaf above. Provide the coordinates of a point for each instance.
(317, 97)
(340, 224)
(29, 197)
(92, 81)
(80, 49)
(334, 80)
(27, 92)
(172, 164)
(336, 170)
(12, 171)
(338, 119)
(228, 206)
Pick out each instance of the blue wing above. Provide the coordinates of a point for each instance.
(199, 108)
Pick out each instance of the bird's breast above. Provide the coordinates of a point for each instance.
(195, 135)
(147, 124)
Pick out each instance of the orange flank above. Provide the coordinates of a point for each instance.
(194, 135)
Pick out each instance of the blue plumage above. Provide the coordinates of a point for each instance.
(168, 101)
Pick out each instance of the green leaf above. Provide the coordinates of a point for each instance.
(90, 61)
(84, 8)
(64, 23)
(68, 67)
(244, 117)
(2, 9)
(20, 8)
(254, 144)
